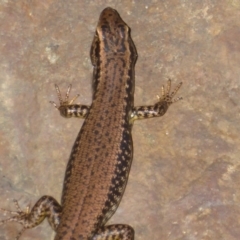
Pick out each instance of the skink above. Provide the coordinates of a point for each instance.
(101, 157)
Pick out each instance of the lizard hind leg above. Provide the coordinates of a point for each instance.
(114, 232)
(46, 206)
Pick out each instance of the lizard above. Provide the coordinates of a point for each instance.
(101, 157)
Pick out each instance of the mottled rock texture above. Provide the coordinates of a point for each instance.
(184, 182)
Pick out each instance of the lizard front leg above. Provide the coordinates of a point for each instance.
(159, 108)
(66, 107)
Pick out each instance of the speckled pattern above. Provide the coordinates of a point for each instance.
(184, 181)
(101, 157)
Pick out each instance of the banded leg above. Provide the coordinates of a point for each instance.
(46, 206)
(115, 232)
(159, 108)
(66, 107)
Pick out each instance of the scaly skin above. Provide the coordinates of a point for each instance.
(101, 157)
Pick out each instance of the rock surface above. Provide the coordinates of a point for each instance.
(184, 182)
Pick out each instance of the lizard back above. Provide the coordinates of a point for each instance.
(101, 157)
(100, 161)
